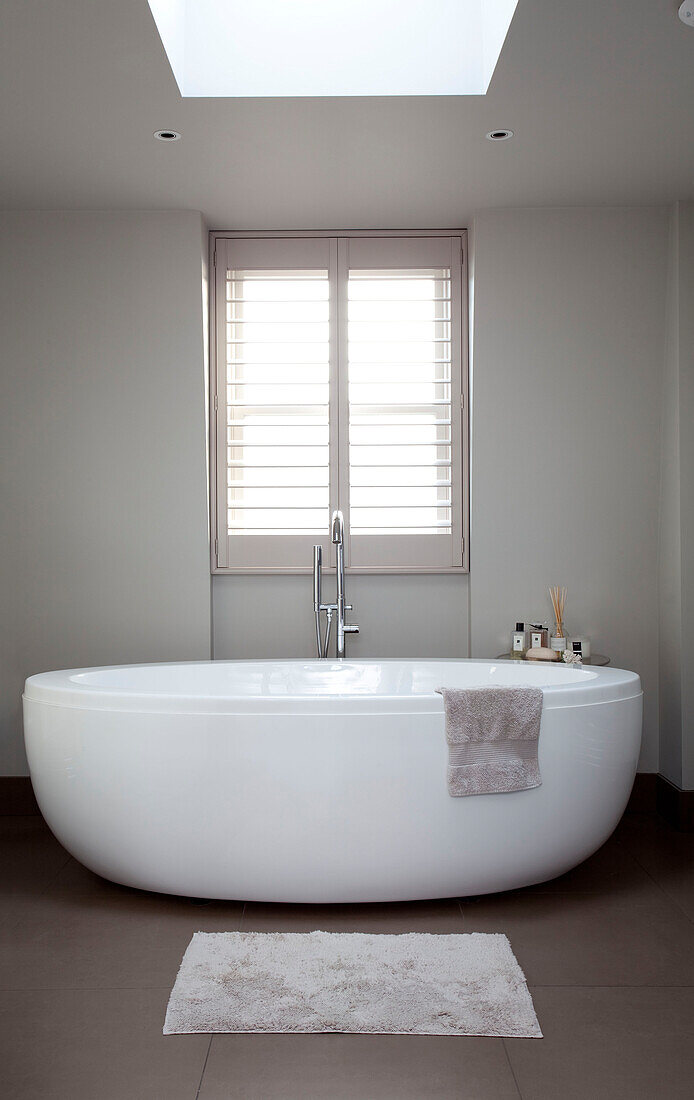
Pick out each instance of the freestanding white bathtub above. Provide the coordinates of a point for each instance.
(319, 781)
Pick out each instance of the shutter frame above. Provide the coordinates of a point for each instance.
(295, 555)
(257, 551)
(409, 551)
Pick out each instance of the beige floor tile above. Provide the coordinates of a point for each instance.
(94, 1045)
(612, 868)
(627, 938)
(356, 1067)
(86, 967)
(30, 857)
(73, 878)
(132, 939)
(608, 1044)
(667, 855)
(425, 916)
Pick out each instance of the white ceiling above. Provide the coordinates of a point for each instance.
(600, 94)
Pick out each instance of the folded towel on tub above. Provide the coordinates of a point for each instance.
(492, 735)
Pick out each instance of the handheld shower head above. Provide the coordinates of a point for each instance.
(338, 528)
(317, 570)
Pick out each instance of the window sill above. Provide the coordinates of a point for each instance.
(306, 571)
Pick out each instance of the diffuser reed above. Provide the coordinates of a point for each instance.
(558, 598)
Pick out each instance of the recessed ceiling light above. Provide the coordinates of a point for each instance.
(686, 12)
(167, 135)
(271, 48)
(499, 135)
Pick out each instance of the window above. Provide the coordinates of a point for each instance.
(272, 48)
(339, 382)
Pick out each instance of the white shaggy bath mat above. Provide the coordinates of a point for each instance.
(351, 982)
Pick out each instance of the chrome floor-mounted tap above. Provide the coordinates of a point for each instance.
(337, 534)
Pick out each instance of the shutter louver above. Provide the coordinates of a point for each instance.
(278, 381)
(399, 344)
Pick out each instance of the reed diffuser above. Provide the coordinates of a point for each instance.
(558, 598)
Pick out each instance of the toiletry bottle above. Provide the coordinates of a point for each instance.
(519, 642)
(583, 647)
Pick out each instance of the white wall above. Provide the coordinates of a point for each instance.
(568, 344)
(415, 616)
(103, 529)
(686, 357)
(567, 369)
(676, 583)
(669, 554)
(104, 534)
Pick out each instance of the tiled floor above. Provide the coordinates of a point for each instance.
(608, 950)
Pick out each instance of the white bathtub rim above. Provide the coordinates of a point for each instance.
(60, 689)
(314, 712)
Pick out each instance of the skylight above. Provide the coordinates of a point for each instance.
(269, 48)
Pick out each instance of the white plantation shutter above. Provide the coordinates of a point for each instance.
(274, 380)
(404, 400)
(338, 383)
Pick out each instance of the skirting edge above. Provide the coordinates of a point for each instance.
(675, 805)
(642, 799)
(17, 796)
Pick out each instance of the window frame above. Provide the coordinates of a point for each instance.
(217, 405)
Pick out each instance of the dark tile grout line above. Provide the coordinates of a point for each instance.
(603, 985)
(510, 1066)
(167, 988)
(62, 867)
(670, 898)
(204, 1067)
(42, 891)
(105, 897)
(596, 894)
(95, 989)
(538, 892)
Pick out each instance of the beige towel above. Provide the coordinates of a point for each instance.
(492, 735)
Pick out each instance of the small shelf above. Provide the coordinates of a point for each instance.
(594, 659)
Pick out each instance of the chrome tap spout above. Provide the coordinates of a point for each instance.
(337, 609)
(343, 628)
